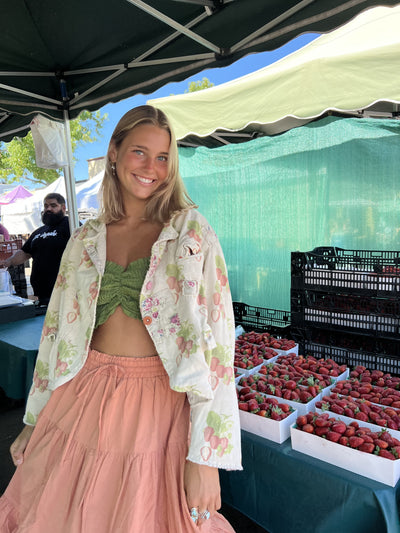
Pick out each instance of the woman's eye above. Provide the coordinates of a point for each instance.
(138, 152)
(163, 158)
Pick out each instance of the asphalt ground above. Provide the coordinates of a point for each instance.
(11, 412)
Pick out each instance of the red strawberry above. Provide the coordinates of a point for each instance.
(321, 430)
(308, 428)
(362, 416)
(333, 436)
(301, 420)
(344, 441)
(244, 406)
(355, 442)
(387, 455)
(366, 447)
(339, 427)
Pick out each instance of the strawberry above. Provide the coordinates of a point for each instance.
(336, 409)
(321, 430)
(387, 455)
(301, 420)
(333, 436)
(366, 447)
(362, 416)
(355, 442)
(308, 428)
(339, 427)
(249, 396)
(344, 441)
(244, 406)
(381, 443)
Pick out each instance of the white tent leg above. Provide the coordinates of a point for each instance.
(69, 178)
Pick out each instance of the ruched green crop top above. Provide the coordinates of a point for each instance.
(122, 287)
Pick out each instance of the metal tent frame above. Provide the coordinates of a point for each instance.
(60, 59)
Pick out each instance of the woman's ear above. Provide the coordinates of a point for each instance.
(112, 153)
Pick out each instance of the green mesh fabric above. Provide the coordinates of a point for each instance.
(333, 182)
(122, 287)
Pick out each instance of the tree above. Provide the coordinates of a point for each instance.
(194, 86)
(17, 158)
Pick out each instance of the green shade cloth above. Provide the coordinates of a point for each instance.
(19, 343)
(121, 286)
(286, 492)
(333, 182)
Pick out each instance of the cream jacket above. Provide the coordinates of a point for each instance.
(186, 307)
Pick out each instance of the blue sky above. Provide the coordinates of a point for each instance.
(217, 76)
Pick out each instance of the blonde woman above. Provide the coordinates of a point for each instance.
(137, 346)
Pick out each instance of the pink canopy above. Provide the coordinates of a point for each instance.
(15, 194)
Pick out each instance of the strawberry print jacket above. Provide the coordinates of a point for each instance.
(186, 307)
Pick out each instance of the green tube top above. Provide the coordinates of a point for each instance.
(122, 287)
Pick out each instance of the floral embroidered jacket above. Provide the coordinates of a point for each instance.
(186, 307)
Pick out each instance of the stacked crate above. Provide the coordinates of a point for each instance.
(260, 319)
(345, 304)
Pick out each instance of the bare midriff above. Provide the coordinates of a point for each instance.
(124, 336)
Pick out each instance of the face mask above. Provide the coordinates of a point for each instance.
(52, 219)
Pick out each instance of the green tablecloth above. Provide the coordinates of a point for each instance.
(285, 491)
(19, 342)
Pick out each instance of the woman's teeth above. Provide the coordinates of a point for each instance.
(144, 180)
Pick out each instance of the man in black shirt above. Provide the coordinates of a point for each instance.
(46, 246)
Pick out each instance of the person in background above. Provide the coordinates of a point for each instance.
(45, 246)
(4, 233)
(137, 345)
(17, 273)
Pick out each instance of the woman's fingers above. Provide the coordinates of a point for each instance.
(18, 447)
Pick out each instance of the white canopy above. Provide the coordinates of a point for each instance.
(348, 70)
(24, 216)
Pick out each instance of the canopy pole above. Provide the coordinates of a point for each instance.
(69, 178)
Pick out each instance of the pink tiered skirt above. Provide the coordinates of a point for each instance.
(107, 456)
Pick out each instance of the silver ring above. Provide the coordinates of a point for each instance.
(205, 515)
(194, 514)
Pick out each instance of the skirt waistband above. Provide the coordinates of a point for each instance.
(128, 366)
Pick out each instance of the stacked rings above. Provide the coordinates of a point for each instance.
(194, 514)
(205, 515)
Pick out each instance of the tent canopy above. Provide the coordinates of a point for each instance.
(15, 194)
(82, 55)
(354, 68)
(24, 216)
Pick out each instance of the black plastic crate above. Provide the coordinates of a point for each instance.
(352, 358)
(368, 272)
(358, 341)
(368, 314)
(261, 319)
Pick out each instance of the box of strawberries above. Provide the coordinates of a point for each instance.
(374, 454)
(266, 417)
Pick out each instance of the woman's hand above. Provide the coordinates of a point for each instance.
(202, 488)
(18, 447)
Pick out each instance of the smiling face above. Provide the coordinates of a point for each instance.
(141, 162)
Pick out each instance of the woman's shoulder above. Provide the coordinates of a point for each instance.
(188, 216)
(191, 221)
(89, 228)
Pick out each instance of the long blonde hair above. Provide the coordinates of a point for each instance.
(170, 197)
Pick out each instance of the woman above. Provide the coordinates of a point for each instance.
(138, 338)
